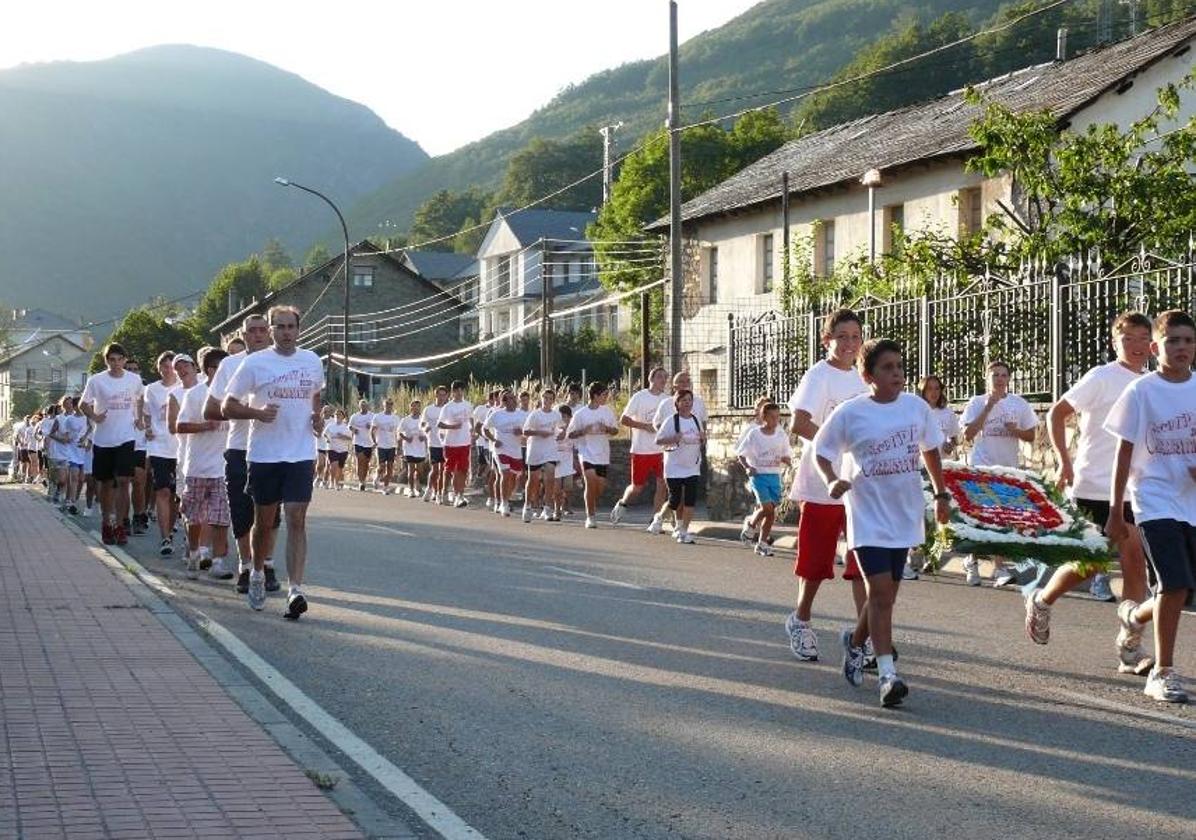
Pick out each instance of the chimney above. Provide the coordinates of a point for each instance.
(1061, 44)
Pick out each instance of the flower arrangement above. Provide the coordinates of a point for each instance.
(1013, 513)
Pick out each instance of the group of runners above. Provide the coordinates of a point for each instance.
(243, 435)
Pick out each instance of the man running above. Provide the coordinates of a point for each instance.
(431, 420)
(278, 390)
(647, 459)
(363, 441)
(110, 401)
(256, 334)
(384, 434)
(455, 425)
(162, 447)
(484, 464)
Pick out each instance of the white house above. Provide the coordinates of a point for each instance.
(734, 230)
(519, 250)
(51, 366)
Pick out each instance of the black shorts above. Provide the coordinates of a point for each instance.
(112, 462)
(1098, 511)
(683, 491)
(23, 456)
(363, 450)
(436, 454)
(271, 482)
(1171, 551)
(386, 455)
(338, 458)
(240, 506)
(599, 469)
(538, 467)
(881, 561)
(482, 457)
(414, 459)
(139, 459)
(164, 470)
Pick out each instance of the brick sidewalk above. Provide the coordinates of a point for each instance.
(109, 728)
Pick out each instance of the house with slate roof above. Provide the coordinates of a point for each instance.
(457, 275)
(525, 248)
(733, 231)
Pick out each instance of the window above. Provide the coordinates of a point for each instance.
(713, 275)
(971, 211)
(55, 374)
(824, 249)
(766, 278)
(504, 277)
(708, 383)
(894, 221)
(469, 331)
(363, 332)
(362, 277)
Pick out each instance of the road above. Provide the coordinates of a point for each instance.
(548, 682)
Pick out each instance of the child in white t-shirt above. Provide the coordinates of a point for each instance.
(681, 435)
(884, 432)
(414, 440)
(994, 423)
(1155, 418)
(592, 428)
(339, 436)
(567, 465)
(751, 523)
(764, 452)
(540, 430)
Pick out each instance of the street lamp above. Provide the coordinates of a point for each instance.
(284, 182)
(54, 354)
(871, 180)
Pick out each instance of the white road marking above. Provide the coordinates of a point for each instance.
(355, 525)
(607, 581)
(1123, 709)
(431, 810)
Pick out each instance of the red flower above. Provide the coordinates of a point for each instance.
(1001, 501)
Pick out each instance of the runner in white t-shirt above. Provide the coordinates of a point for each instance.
(884, 432)
(567, 465)
(681, 436)
(363, 442)
(188, 378)
(323, 464)
(415, 446)
(162, 448)
(455, 425)
(749, 535)
(764, 452)
(431, 420)
(821, 520)
(339, 437)
(110, 402)
(1156, 466)
(504, 429)
(142, 486)
(279, 389)
(994, 423)
(385, 432)
(484, 462)
(1088, 479)
(647, 459)
(592, 427)
(540, 430)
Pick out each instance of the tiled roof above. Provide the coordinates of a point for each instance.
(440, 265)
(932, 129)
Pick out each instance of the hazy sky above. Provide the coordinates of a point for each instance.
(443, 73)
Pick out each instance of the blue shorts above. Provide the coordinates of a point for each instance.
(880, 561)
(271, 482)
(767, 487)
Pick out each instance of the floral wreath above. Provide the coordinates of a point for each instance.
(1013, 513)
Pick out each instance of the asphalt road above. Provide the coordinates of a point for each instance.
(547, 682)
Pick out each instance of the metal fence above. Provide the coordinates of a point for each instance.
(1050, 323)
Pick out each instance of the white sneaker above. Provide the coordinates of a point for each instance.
(546, 514)
(461, 502)
(685, 538)
(803, 641)
(192, 565)
(908, 572)
(590, 523)
(656, 525)
(971, 570)
(505, 509)
(527, 514)
(489, 502)
(218, 570)
(616, 513)
(764, 549)
(1165, 684)
(1003, 577)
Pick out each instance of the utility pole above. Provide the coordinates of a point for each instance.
(785, 271)
(545, 315)
(645, 343)
(608, 148)
(674, 127)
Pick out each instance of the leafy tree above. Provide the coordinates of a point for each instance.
(274, 256)
(26, 402)
(280, 277)
(317, 255)
(543, 167)
(149, 330)
(598, 354)
(247, 280)
(445, 213)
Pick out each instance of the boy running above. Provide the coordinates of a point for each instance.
(504, 428)
(592, 428)
(830, 382)
(540, 429)
(339, 438)
(162, 447)
(431, 421)
(884, 432)
(647, 458)
(415, 446)
(456, 433)
(363, 441)
(1088, 481)
(384, 435)
(681, 436)
(1156, 464)
(764, 453)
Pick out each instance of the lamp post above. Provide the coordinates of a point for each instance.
(54, 354)
(284, 182)
(871, 180)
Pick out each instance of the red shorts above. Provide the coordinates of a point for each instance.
(509, 463)
(818, 532)
(643, 467)
(456, 458)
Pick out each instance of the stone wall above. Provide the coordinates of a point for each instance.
(727, 494)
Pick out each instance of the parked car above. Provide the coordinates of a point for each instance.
(5, 459)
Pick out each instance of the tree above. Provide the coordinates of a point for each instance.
(317, 255)
(246, 280)
(279, 278)
(599, 355)
(444, 214)
(544, 167)
(274, 256)
(26, 402)
(149, 330)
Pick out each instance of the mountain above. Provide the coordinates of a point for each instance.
(775, 44)
(141, 175)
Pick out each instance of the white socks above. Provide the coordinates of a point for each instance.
(884, 665)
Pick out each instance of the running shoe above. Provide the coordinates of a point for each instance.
(505, 509)
(1129, 637)
(892, 690)
(1003, 577)
(205, 560)
(296, 606)
(590, 523)
(909, 573)
(685, 538)
(853, 659)
(167, 547)
(870, 655)
(1038, 619)
(107, 534)
(616, 513)
(527, 514)
(461, 502)
(271, 580)
(257, 590)
(219, 571)
(73, 510)
(242, 581)
(1134, 661)
(122, 535)
(803, 641)
(192, 566)
(748, 534)
(489, 502)
(1164, 684)
(971, 570)
(764, 549)
(655, 526)
(361, 486)
(1100, 589)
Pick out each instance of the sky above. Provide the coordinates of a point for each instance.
(442, 73)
